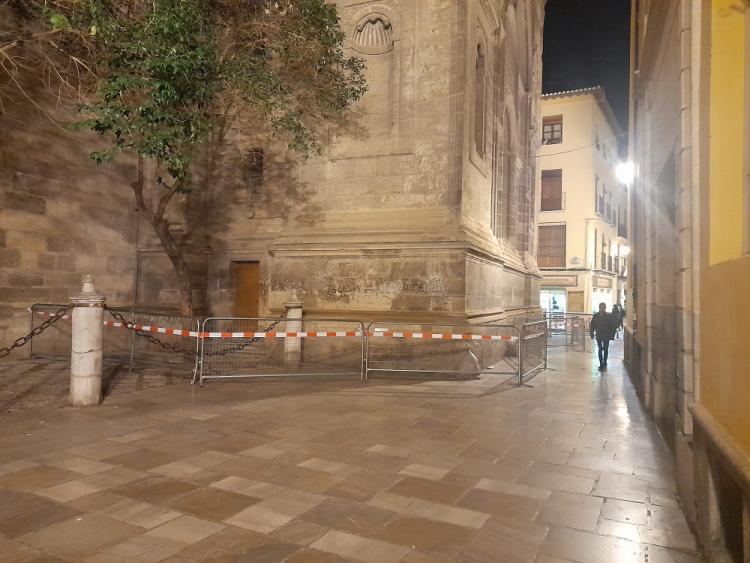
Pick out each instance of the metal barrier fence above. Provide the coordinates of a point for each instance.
(268, 347)
(227, 347)
(579, 331)
(175, 353)
(441, 349)
(568, 330)
(534, 338)
(178, 351)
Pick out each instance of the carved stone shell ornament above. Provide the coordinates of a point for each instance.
(373, 35)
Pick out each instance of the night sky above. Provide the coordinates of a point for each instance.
(586, 43)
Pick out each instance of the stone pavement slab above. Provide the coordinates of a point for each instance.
(566, 468)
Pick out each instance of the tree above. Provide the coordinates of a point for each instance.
(155, 77)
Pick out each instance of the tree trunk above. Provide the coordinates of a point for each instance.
(174, 252)
(179, 264)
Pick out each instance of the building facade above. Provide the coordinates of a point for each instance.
(685, 345)
(583, 244)
(421, 204)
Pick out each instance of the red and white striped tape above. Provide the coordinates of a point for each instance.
(305, 334)
(154, 329)
(287, 334)
(439, 335)
(143, 328)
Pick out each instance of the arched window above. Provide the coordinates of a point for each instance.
(479, 101)
(508, 200)
(505, 199)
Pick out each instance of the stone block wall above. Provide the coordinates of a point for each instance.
(61, 216)
(393, 218)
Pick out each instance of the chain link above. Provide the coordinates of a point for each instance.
(166, 346)
(36, 331)
(244, 345)
(148, 336)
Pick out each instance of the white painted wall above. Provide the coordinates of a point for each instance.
(581, 161)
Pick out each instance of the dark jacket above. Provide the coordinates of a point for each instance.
(604, 325)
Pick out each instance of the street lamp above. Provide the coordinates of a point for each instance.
(625, 172)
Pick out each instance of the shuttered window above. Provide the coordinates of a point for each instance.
(552, 194)
(552, 130)
(551, 253)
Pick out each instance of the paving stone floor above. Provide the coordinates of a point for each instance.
(44, 382)
(568, 468)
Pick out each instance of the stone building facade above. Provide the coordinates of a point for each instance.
(582, 220)
(686, 347)
(420, 205)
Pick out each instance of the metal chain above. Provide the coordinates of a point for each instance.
(166, 346)
(148, 336)
(244, 344)
(36, 331)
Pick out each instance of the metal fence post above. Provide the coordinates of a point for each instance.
(31, 327)
(521, 353)
(363, 375)
(202, 359)
(197, 363)
(132, 345)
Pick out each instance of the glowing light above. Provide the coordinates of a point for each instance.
(625, 172)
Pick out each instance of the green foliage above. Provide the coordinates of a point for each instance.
(59, 21)
(170, 70)
(157, 81)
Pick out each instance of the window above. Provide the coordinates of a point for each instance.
(552, 130)
(601, 195)
(552, 194)
(596, 239)
(622, 223)
(479, 103)
(551, 252)
(603, 255)
(254, 162)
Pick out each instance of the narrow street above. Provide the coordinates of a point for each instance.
(567, 468)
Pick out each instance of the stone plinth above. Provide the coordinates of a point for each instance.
(86, 346)
(293, 346)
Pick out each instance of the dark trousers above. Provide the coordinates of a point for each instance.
(603, 351)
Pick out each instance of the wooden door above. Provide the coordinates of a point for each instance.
(246, 289)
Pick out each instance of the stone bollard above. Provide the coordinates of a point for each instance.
(293, 346)
(86, 346)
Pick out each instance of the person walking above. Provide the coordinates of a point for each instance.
(617, 318)
(603, 327)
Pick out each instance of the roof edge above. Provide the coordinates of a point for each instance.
(599, 96)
